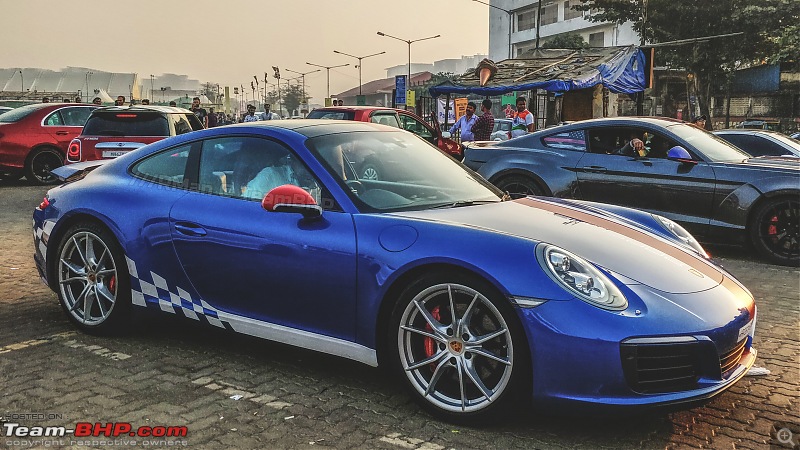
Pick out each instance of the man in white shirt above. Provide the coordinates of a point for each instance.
(522, 123)
(267, 114)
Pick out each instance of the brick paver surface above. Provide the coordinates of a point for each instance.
(174, 372)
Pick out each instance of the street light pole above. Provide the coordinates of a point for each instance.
(359, 58)
(409, 42)
(22, 79)
(151, 89)
(328, 71)
(88, 74)
(510, 14)
(303, 76)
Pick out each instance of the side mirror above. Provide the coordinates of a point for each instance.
(292, 199)
(446, 134)
(680, 155)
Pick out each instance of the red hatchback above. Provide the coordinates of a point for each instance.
(399, 118)
(34, 138)
(113, 131)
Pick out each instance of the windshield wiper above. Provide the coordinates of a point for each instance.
(461, 203)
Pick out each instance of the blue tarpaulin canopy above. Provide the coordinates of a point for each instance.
(620, 69)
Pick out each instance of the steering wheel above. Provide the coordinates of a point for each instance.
(355, 186)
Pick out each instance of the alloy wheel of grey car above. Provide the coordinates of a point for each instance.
(775, 230)
(93, 285)
(459, 351)
(519, 186)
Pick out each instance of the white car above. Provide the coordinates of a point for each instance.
(501, 130)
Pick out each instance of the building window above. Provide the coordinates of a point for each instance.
(597, 39)
(549, 14)
(526, 20)
(570, 13)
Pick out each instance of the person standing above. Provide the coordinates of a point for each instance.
(251, 114)
(522, 122)
(267, 114)
(482, 129)
(97, 101)
(465, 123)
(199, 112)
(173, 104)
(120, 101)
(212, 118)
(145, 101)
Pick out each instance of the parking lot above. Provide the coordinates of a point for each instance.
(231, 391)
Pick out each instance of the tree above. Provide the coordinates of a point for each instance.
(293, 98)
(567, 40)
(763, 24)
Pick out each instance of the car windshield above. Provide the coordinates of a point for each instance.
(335, 115)
(397, 171)
(17, 114)
(713, 148)
(126, 124)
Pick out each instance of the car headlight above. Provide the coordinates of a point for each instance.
(681, 234)
(580, 278)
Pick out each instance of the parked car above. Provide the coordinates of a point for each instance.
(115, 130)
(394, 117)
(5, 109)
(795, 136)
(34, 138)
(552, 301)
(501, 130)
(761, 142)
(759, 125)
(716, 191)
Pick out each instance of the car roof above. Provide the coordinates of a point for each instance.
(313, 127)
(142, 108)
(750, 131)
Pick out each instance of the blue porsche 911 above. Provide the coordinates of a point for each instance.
(478, 303)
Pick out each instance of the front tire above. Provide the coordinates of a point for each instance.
(93, 281)
(459, 349)
(40, 163)
(519, 186)
(775, 230)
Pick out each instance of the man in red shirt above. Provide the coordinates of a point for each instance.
(485, 123)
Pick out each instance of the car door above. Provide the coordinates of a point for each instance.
(65, 124)
(418, 127)
(681, 191)
(276, 268)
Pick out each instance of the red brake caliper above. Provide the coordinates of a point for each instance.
(773, 230)
(112, 284)
(430, 345)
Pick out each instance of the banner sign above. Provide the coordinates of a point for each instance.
(461, 107)
(400, 89)
(440, 111)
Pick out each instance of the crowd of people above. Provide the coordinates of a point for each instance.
(479, 128)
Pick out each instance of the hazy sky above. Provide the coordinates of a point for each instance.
(229, 41)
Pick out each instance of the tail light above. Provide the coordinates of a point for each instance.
(74, 151)
(509, 134)
(45, 203)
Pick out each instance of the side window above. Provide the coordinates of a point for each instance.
(249, 167)
(181, 124)
(568, 140)
(167, 167)
(75, 117)
(415, 126)
(385, 119)
(54, 120)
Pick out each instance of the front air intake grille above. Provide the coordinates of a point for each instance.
(730, 359)
(660, 367)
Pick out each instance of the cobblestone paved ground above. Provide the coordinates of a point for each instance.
(173, 372)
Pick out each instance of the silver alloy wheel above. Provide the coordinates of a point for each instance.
(455, 348)
(87, 278)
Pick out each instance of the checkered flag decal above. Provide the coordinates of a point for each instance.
(159, 292)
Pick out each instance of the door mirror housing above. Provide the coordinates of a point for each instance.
(291, 199)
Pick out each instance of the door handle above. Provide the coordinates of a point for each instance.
(62, 133)
(190, 229)
(594, 169)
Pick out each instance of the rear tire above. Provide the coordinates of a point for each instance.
(519, 186)
(93, 280)
(775, 230)
(40, 163)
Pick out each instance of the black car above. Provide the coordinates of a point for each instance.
(761, 142)
(716, 191)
